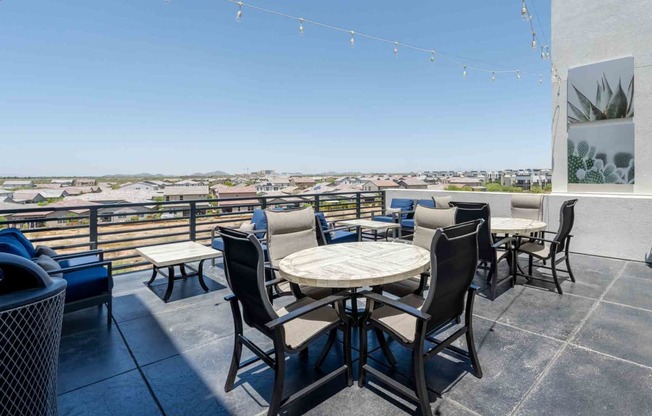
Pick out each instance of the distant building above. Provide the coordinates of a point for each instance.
(18, 184)
(465, 182)
(185, 193)
(85, 182)
(139, 186)
(412, 183)
(302, 183)
(226, 192)
(379, 185)
(63, 182)
(188, 182)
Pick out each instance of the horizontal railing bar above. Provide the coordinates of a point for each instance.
(41, 230)
(147, 237)
(59, 238)
(137, 230)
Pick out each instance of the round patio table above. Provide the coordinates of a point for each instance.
(354, 265)
(513, 226)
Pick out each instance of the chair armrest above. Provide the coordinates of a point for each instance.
(502, 242)
(274, 281)
(342, 228)
(81, 254)
(400, 240)
(520, 237)
(230, 297)
(86, 266)
(376, 297)
(474, 287)
(275, 323)
(270, 267)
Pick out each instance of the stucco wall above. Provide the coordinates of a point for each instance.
(589, 31)
(605, 225)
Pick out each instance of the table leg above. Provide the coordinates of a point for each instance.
(183, 270)
(359, 230)
(151, 279)
(200, 276)
(168, 292)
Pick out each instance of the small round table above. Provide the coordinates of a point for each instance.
(353, 265)
(513, 226)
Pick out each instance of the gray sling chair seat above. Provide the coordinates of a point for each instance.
(291, 328)
(426, 222)
(288, 232)
(413, 319)
(556, 249)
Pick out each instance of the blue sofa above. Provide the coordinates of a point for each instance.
(328, 235)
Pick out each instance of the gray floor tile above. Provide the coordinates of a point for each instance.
(510, 360)
(585, 383)
(166, 334)
(546, 312)
(587, 283)
(124, 395)
(84, 320)
(90, 356)
(638, 269)
(619, 331)
(632, 292)
(497, 308)
(372, 400)
(602, 265)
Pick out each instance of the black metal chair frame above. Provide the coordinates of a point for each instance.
(419, 354)
(558, 245)
(275, 357)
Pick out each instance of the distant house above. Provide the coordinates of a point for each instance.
(185, 193)
(63, 182)
(274, 184)
(27, 197)
(379, 185)
(5, 193)
(18, 184)
(225, 192)
(465, 182)
(85, 182)
(188, 182)
(302, 182)
(139, 186)
(157, 184)
(412, 183)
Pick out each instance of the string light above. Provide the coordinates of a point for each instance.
(518, 75)
(534, 40)
(524, 13)
(301, 25)
(395, 48)
(493, 77)
(352, 41)
(540, 79)
(464, 73)
(238, 15)
(432, 56)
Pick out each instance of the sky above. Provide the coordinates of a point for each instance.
(178, 87)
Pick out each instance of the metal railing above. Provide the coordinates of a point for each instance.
(118, 229)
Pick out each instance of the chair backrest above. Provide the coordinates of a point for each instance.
(10, 245)
(469, 211)
(244, 266)
(427, 221)
(454, 260)
(404, 205)
(259, 221)
(566, 221)
(528, 206)
(20, 237)
(289, 232)
(442, 202)
(429, 203)
(322, 229)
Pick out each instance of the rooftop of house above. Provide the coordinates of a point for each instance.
(185, 190)
(588, 351)
(384, 183)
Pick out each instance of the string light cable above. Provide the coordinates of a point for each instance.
(431, 53)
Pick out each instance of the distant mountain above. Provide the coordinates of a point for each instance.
(213, 173)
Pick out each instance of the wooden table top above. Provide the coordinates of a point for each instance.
(504, 225)
(369, 224)
(177, 253)
(351, 265)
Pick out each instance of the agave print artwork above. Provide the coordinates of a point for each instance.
(601, 154)
(601, 91)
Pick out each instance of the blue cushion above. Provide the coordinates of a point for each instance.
(408, 223)
(343, 237)
(10, 245)
(86, 283)
(322, 221)
(218, 244)
(383, 218)
(18, 235)
(403, 204)
(260, 222)
(430, 203)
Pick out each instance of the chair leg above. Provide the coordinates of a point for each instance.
(420, 379)
(553, 266)
(568, 268)
(332, 336)
(347, 355)
(109, 311)
(363, 353)
(529, 265)
(493, 279)
(470, 343)
(383, 346)
(279, 378)
(237, 346)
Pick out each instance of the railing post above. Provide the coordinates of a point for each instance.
(193, 221)
(316, 203)
(263, 203)
(92, 228)
(382, 202)
(358, 205)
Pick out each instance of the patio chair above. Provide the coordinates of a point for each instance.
(412, 320)
(65, 259)
(528, 206)
(258, 221)
(490, 250)
(290, 231)
(292, 328)
(427, 221)
(549, 249)
(89, 284)
(400, 209)
(327, 234)
(407, 224)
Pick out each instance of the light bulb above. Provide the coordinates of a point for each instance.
(352, 41)
(534, 40)
(547, 52)
(464, 72)
(493, 77)
(540, 79)
(432, 56)
(524, 13)
(301, 25)
(518, 74)
(395, 48)
(238, 15)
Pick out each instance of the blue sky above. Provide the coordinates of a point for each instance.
(122, 86)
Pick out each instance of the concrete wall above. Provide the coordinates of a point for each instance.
(589, 31)
(605, 225)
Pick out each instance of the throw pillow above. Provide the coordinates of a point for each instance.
(247, 226)
(45, 250)
(442, 202)
(50, 265)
